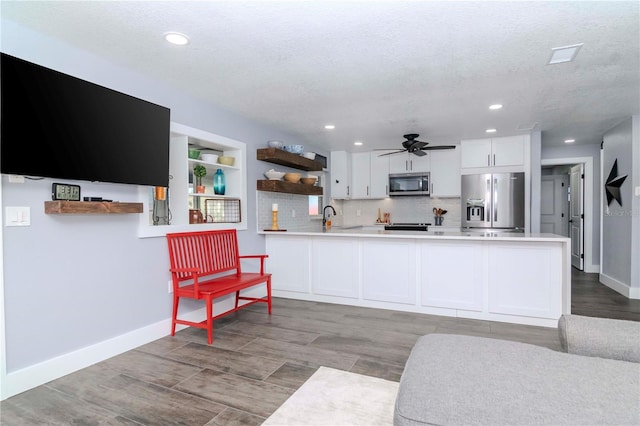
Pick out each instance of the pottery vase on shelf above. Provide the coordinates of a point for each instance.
(195, 216)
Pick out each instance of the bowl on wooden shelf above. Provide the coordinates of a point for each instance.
(309, 155)
(275, 144)
(274, 174)
(292, 177)
(294, 149)
(310, 180)
(227, 161)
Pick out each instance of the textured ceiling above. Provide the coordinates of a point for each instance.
(375, 69)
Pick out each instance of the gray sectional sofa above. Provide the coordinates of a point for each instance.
(465, 380)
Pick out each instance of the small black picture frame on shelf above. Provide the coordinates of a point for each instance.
(322, 160)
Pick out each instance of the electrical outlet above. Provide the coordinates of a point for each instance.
(293, 213)
(170, 287)
(358, 212)
(16, 179)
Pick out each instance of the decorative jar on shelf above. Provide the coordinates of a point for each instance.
(219, 183)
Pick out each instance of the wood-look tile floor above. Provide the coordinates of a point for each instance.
(257, 361)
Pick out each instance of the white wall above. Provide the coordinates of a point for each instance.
(73, 282)
(618, 220)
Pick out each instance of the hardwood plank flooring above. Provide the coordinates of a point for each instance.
(257, 361)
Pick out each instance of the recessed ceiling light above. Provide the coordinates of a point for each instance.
(357, 143)
(491, 130)
(329, 126)
(564, 53)
(495, 106)
(569, 141)
(176, 38)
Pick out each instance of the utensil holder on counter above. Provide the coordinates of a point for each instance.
(438, 220)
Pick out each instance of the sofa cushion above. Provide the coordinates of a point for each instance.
(450, 379)
(602, 337)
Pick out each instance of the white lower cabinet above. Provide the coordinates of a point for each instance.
(451, 275)
(389, 271)
(524, 282)
(288, 261)
(334, 269)
(524, 279)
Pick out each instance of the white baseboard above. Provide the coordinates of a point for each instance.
(51, 369)
(592, 269)
(620, 287)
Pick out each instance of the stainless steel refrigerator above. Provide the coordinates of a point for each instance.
(493, 201)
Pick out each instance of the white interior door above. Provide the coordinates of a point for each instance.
(554, 205)
(576, 221)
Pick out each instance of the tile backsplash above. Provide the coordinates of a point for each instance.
(293, 210)
(412, 209)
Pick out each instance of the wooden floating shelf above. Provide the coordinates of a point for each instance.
(284, 158)
(90, 207)
(288, 187)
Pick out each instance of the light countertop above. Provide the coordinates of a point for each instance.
(371, 232)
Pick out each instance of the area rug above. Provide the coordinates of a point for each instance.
(336, 397)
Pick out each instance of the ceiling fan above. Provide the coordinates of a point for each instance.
(416, 147)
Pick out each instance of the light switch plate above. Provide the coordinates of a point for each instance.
(18, 216)
(637, 191)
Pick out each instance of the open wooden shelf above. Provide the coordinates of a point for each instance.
(288, 187)
(90, 207)
(284, 158)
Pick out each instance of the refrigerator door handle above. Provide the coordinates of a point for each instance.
(487, 202)
(495, 200)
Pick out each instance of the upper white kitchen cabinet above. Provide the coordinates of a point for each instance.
(405, 162)
(340, 172)
(445, 173)
(369, 175)
(495, 152)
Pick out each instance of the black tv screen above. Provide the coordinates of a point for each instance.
(58, 126)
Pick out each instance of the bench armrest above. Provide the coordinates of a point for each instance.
(262, 257)
(194, 276)
(600, 337)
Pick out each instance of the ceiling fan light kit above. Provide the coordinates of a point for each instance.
(416, 147)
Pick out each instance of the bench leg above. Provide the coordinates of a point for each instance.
(269, 294)
(237, 298)
(209, 302)
(176, 299)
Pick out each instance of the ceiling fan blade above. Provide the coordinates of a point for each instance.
(394, 152)
(433, 148)
(419, 144)
(419, 153)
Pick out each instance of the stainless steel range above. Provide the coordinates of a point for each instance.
(407, 227)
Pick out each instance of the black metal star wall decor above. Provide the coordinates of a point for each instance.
(612, 186)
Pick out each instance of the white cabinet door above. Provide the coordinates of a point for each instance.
(289, 260)
(334, 267)
(379, 175)
(398, 163)
(451, 275)
(389, 271)
(525, 280)
(508, 151)
(408, 163)
(496, 152)
(340, 173)
(419, 164)
(445, 173)
(360, 175)
(475, 153)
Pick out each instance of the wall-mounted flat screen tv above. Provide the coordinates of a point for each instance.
(58, 126)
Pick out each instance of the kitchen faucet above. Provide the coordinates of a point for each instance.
(324, 219)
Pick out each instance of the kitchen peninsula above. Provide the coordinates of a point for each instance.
(506, 277)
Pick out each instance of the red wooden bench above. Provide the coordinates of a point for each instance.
(206, 265)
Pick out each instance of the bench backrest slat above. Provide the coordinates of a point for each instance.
(212, 252)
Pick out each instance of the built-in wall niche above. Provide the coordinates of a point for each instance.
(172, 214)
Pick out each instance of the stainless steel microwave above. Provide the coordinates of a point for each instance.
(409, 183)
